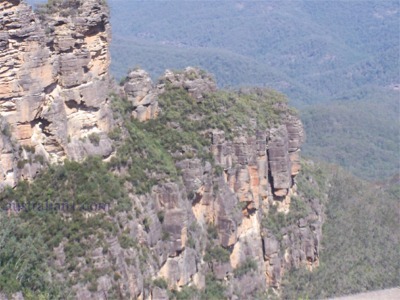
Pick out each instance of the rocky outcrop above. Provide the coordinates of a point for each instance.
(220, 217)
(252, 182)
(257, 176)
(54, 80)
(197, 82)
(141, 92)
(283, 153)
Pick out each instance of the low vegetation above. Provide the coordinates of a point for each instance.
(52, 212)
(146, 154)
(360, 237)
(64, 7)
(247, 266)
(149, 150)
(361, 136)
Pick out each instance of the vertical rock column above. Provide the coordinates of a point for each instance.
(54, 79)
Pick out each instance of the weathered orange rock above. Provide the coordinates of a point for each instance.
(54, 78)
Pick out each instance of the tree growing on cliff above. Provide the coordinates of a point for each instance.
(64, 7)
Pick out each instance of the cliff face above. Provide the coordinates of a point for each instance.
(258, 176)
(235, 210)
(232, 213)
(54, 82)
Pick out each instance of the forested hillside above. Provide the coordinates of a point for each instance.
(313, 51)
(361, 136)
(361, 237)
(176, 189)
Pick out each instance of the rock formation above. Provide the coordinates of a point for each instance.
(54, 81)
(197, 82)
(257, 181)
(141, 92)
(258, 173)
(220, 216)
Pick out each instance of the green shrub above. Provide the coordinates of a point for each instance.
(248, 265)
(213, 290)
(6, 131)
(93, 286)
(161, 216)
(66, 8)
(146, 224)
(30, 149)
(115, 134)
(275, 221)
(94, 138)
(126, 241)
(39, 159)
(21, 163)
(161, 283)
(212, 231)
(165, 235)
(186, 293)
(191, 242)
(297, 210)
(217, 253)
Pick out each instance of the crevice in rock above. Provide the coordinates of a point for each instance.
(50, 88)
(96, 54)
(278, 198)
(65, 51)
(263, 245)
(94, 30)
(43, 125)
(197, 199)
(270, 177)
(179, 252)
(89, 127)
(50, 44)
(17, 38)
(251, 211)
(72, 104)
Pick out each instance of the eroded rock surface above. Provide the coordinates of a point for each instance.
(197, 82)
(54, 80)
(141, 92)
(230, 207)
(258, 172)
(219, 217)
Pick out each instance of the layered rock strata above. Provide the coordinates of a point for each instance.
(53, 103)
(140, 90)
(218, 219)
(197, 82)
(258, 176)
(257, 181)
(54, 81)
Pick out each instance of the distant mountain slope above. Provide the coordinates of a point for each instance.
(313, 51)
(362, 136)
(360, 237)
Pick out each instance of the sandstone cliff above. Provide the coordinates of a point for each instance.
(226, 210)
(54, 82)
(223, 216)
